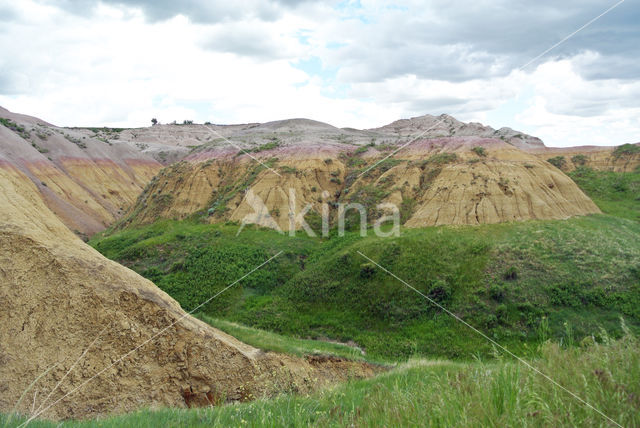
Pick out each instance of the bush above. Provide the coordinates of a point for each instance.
(557, 161)
(511, 274)
(579, 160)
(367, 270)
(440, 291)
(497, 292)
(626, 150)
(443, 158)
(480, 151)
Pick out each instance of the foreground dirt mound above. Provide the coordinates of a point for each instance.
(58, 296)
(85, 178)
(448, 180)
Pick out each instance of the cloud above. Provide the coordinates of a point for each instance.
(457, 40)
(198, 11)
(359, 64)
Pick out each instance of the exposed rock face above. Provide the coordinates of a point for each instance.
(448, 180)
(87, 182)
(58, 295)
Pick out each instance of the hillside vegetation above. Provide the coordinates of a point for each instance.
(615, 193)
(521, 283)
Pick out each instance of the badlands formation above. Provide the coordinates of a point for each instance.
(454, 173)
(86, 179)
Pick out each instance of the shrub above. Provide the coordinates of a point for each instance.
(579, 160)
(557, 161)
(440, 291)
(289, 170)
(511, 274)
(497, 292)
(626, 150)
(443, 158)
(367, 270)
(480, 151)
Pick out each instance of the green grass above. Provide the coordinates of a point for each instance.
(442, 394)
(269, 341)
(504, 279)
(615, 193)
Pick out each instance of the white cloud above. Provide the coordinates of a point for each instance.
(115, 66)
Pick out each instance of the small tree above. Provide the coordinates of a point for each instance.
(154, 121)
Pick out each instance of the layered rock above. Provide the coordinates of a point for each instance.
(448, 180)
(88, 182)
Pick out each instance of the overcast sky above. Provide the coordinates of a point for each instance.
(351, 63)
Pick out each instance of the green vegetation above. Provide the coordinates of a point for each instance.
(289, 169)
(445, 158)
(615, 193)
(18, 129)
(40, 149)
(480, 151)
(626, 150)
(278, 343)
(230, 187)
(558, 161)
(584, 271)
(274, 143)
(441, 393)
(78, 142)
(579, 160)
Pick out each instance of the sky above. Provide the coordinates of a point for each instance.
(359, 64)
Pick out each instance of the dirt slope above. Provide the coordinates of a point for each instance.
(58, 295)
(87, 182)
(466, 179)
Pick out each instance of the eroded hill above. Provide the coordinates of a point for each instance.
(87, 180)
(478, 175)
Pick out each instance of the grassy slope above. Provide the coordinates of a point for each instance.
(615, 193)
(285, 344)
(521, 283)
(441, 393)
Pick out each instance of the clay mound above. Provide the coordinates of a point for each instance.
(58, 295)
(88, 182)
(451, 180)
